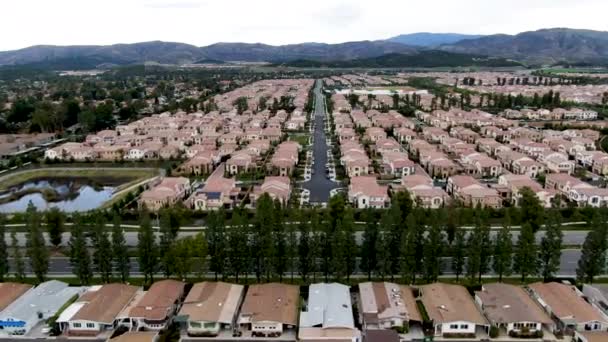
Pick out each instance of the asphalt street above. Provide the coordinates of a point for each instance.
(60, 266)
(571, 237)
(319, 185)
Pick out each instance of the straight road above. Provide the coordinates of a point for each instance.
(319, 185)
(571, 237)
(60, 266)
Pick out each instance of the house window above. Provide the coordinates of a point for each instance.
(77, 325)
(90, 325)
(464, 326)
(453, 326)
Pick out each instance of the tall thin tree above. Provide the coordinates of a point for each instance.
(147, 249)
(550, 250)
(525, 260)
(122, 264)
(36, 247)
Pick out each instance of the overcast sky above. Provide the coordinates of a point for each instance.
(203, 22)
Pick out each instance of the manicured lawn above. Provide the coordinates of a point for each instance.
(300, 138)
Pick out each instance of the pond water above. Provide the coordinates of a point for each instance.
(72, 195)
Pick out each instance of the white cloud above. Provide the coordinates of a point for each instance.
(203, 22)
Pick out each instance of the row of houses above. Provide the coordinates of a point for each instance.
(240, 138)
(385, 311)
(555, 114)
(218, 191)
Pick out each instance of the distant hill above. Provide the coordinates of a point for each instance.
(422, 59)
(544, 46)
(178, 53)
(156, 51)
(427, 39)
(547, 45)
(312, 51)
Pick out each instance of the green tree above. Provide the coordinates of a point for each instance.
(415, 245)
(36, 248)
(384, 255)
(350, 242)
(238, 246)
(19, 264)
(525, 260)
(593, 250)
(338, 250)
(261, 244)
(165, 244)
(216, 242)
(503, 250)
(368, 246)
(199, 253)
(305, 250)
(80, 258)
(485, 244)
(292, 243)
(122, 264)
(550, 250)
(459, 247)
(279, 255)
(531, 209)
(326, 244)
(102, 257)
(55, 220)
(433, 250)
(183, 253)
(404, 202)
(4, 268)
(393, 224)
(147, 253)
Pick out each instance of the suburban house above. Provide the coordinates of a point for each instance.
(285, 158)
(239, 162)
(424, 192)
(98, 311)
(156, 308)
(200, 164)
(397, 164)
(516, 183)
(384, 305)
(590, 336)
(510, 308)
(218, 192)
(9, 292)
(452, 310)
(356, 163)
(592, 197)
(34, 306)
(210, 308)
(597, 295)
(269, 309)
(564, 183)
(472, 193)
(365, 192)
(169, 191)
(328, 314)
(277, 187)
(566, 305)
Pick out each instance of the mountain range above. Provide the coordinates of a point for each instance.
(542, 46)
(427, 39)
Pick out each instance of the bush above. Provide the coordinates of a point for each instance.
(494, 331)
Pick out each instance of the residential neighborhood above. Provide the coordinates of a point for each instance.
(328, 311)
